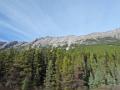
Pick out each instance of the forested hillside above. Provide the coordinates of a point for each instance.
(79, 68)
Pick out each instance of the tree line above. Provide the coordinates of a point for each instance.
(81, 67)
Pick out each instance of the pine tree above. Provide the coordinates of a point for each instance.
(50, 81)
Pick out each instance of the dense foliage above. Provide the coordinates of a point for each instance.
(60, 69)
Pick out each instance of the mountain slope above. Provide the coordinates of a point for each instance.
(93, 38)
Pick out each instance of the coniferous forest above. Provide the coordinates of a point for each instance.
(45, 68)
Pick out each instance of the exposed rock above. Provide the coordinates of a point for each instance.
(93, 38)
(2, 43)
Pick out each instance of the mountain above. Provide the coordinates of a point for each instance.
(93, 38)
(13, 44)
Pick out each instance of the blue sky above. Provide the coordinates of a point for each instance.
(30, 19)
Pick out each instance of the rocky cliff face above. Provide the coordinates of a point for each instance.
(93, 38)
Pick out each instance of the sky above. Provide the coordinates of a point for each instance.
(25, 20)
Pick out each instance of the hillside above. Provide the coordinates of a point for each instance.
(93, 38)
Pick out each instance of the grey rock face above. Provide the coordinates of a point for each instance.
(93, 38)
(13, 44)
(2, 43)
